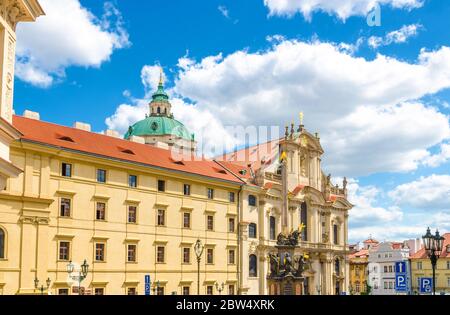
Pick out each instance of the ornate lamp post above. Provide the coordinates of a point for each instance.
(220, 288)
(82, 274)
(433, 246)
(198, 249)
(42, 288)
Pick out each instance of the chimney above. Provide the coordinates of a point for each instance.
(32, 115)
(137, 139)
(82, 126)
(112, 133)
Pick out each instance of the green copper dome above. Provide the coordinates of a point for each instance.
(159, 126)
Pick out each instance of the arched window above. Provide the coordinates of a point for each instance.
(2, 243)
(273, 228)
(304, 220)
(159, 110)
(252, 200)
(252, 266)
(252, 230)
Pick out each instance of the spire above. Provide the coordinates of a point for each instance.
(161, 78)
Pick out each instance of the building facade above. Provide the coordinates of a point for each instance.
(11, 13)
(359, 267)
(305, 200)
(421, 268)
(382, 259)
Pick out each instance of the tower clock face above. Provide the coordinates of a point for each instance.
(154, 126)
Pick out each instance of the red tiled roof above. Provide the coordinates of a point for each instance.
(396, 245)
(333, 198)
(254, 155)
(102, 145)
(422, 252)
(361, 253)
(370, 241)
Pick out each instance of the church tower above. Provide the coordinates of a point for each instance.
(160, 128)
(11, 13)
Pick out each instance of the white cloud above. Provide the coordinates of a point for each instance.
(364, 109)
(365, 211)
(440, 158)
(398, 36)
(223, 9)
(68, 35)
(431, 192)
(341, 8)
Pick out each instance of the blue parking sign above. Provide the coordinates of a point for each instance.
(401, 283)
(147, 284)
(426, 285)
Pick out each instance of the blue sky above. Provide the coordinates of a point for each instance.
(382, 110)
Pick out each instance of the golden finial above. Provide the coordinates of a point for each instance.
(301, 118)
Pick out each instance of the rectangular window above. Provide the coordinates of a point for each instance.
(385, 269)
(210, 256)
(66, 170)
(186, 290)
(448, 264)
(132, 214)
(161, 185)
(186, 220)
(186, 255)
(209, 290)
(160, 291)
(63, 291)
(160, 254)
(187, 190)
(101, 176)
(390, 285)
(64, 251)
(210, 193)
(99, 291)
(273, 228)
(131, 291)
(101, 211)
(252, 201)
(65, 207)
(161, 217)
(231, 256)
(448, 282)
(232, 196)
(132, 181)
(99, 252)
(231, 289)
(231, 225)
(210, 223)
(385, 285)
(390, 268)
(336, 234)
(131, 255)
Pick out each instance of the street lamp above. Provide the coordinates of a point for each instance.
(198, 249)
(433, 246)
(82, 274)
(42, 288)
(220, 288)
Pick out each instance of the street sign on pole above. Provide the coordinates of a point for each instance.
(400, 267)
(147, 284)
(401, 277)
(426, 285)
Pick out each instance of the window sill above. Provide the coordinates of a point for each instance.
(132, 262)
(160, 263)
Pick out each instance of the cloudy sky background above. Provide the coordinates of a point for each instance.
(378, 95)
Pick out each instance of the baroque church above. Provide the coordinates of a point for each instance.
(135, 220)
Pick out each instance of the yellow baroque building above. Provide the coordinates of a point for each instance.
(421, 268)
